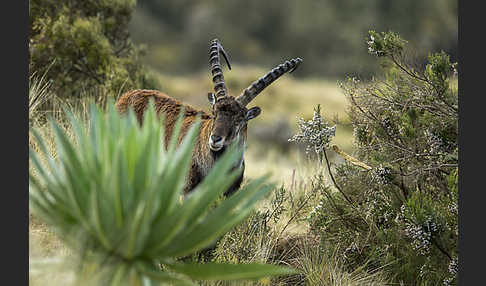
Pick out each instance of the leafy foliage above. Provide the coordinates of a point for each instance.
(115, 199)
(402, 213)
(85, 45)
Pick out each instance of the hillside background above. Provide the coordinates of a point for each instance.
(328, 35)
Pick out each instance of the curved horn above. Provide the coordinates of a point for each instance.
(257, 86)
(216, 69)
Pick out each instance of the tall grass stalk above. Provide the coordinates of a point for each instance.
(39, 94)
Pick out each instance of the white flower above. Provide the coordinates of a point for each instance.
(316, 132)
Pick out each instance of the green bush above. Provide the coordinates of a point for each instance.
(113, 195)
(85, 45)
(401, 214)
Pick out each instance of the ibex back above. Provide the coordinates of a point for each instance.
(226, 123)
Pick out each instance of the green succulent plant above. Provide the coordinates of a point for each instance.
(113, 194)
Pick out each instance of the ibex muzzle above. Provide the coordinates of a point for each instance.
(226, 124)
(229, 122)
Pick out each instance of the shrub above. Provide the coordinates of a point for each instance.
(400, 213)
(115, 199)
(85, 45)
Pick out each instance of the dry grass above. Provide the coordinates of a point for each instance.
(326, 268)
(47, 256)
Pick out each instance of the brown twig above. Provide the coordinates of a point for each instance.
(350, 159)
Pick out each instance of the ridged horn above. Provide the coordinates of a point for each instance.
(216, 70)
(257, 86)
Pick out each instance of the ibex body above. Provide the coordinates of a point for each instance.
(226, 123)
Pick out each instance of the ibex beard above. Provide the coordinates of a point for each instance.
(226, 124)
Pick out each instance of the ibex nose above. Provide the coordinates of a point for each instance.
(216, 138)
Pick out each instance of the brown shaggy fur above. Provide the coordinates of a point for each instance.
(203, 157)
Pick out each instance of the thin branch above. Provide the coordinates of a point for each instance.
(373, 117)
(430, 169)
(441, 249)
(407, 71)
(295, 214)
(333, 180)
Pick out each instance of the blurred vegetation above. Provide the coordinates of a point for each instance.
(326, 34)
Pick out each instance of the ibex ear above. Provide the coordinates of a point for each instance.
(253, 112)
(211, 98)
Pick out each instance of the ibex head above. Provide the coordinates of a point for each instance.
(230, 113)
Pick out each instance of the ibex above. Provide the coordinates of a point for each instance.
(226, 123)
